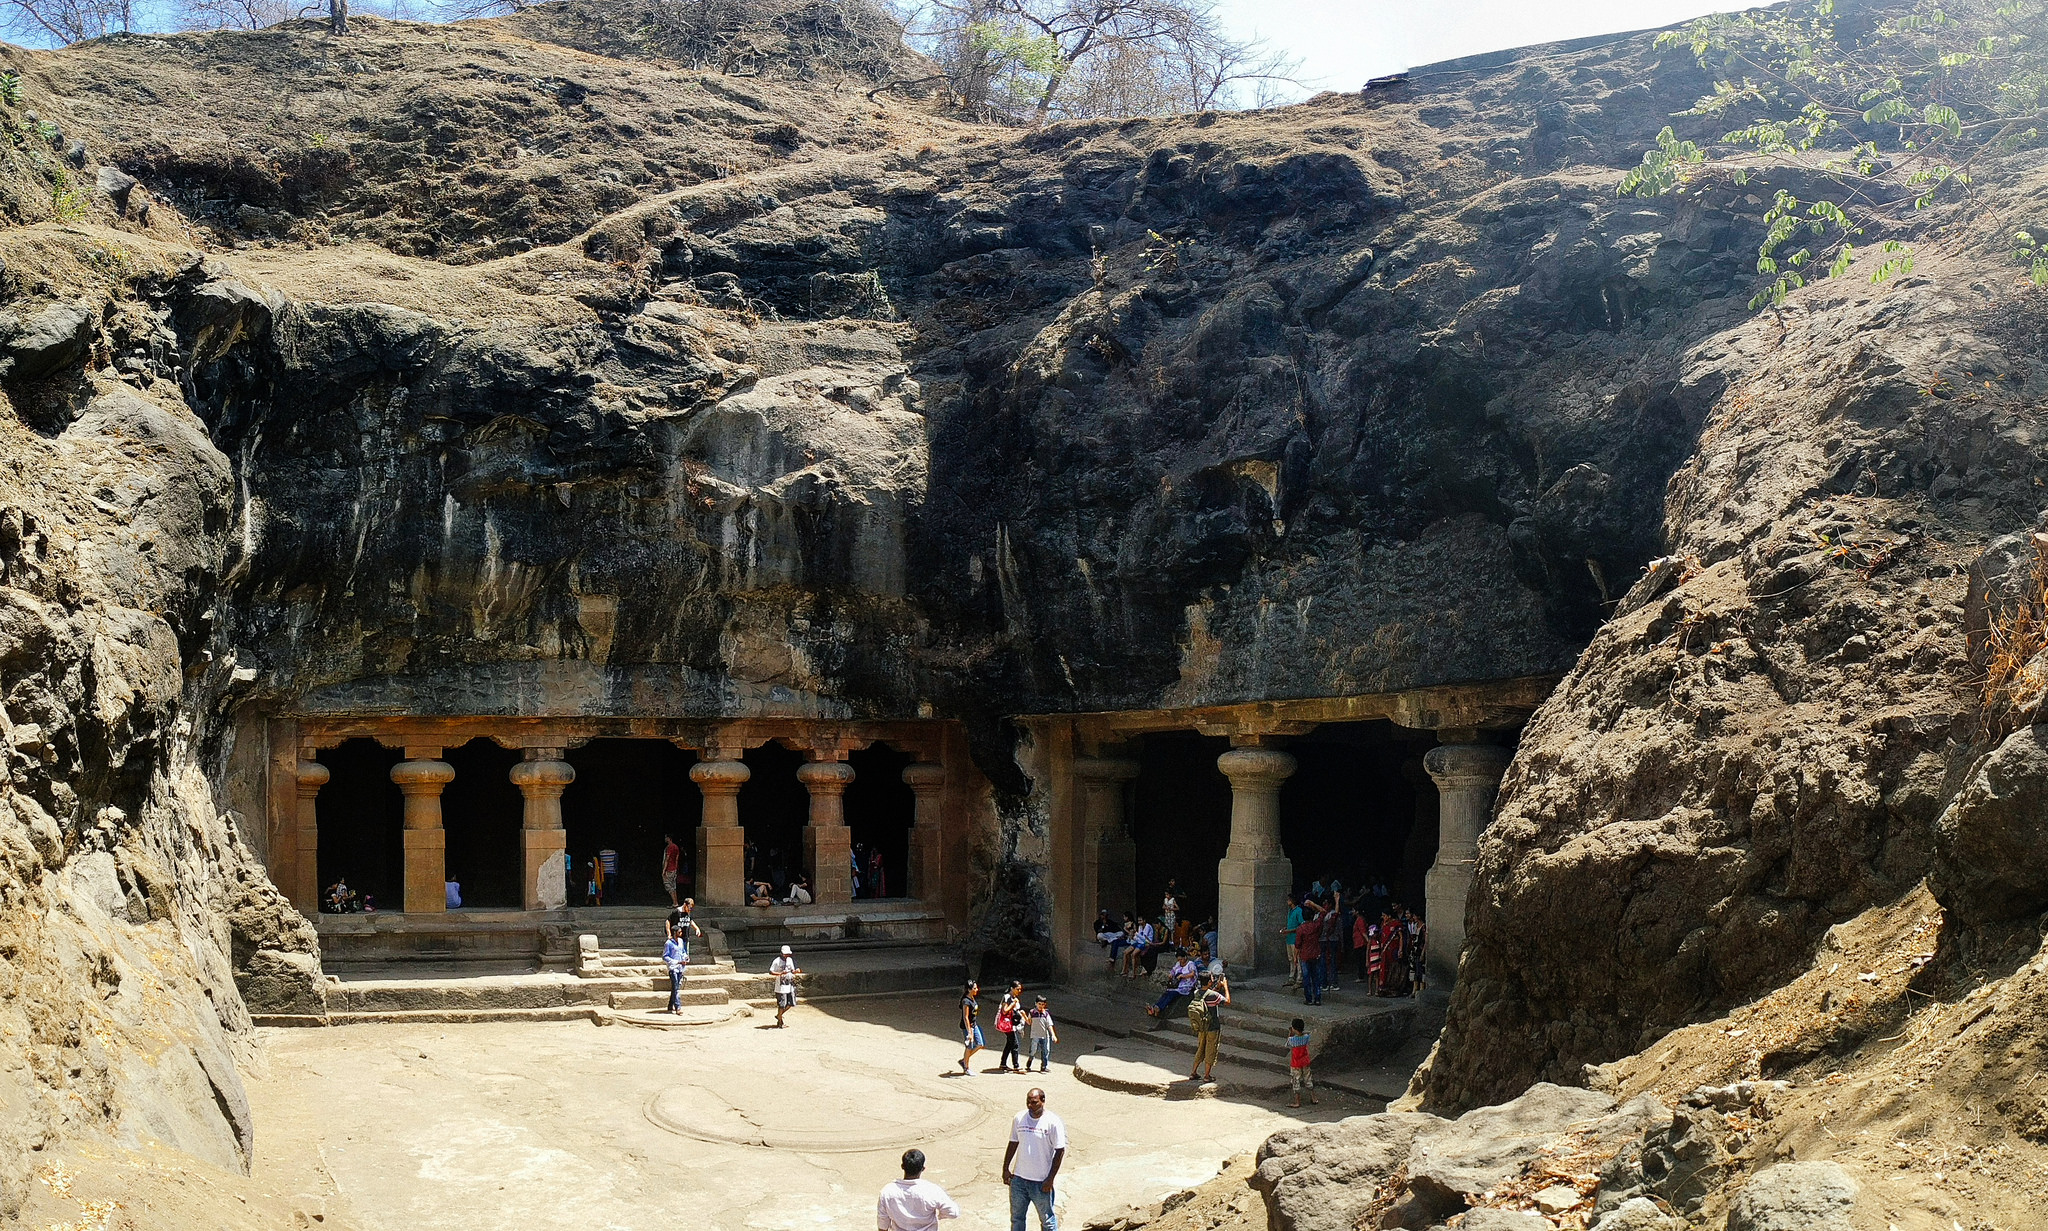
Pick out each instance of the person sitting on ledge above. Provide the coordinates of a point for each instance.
(761, 893)
(453, 888)
(799, 891)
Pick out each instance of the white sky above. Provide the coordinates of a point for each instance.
(1342, 43)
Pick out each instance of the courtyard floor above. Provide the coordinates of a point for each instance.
(719, 1128)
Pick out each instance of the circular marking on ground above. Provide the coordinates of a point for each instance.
(858, 1109)
(692, 1015)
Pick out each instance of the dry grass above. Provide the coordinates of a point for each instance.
(2015, 653)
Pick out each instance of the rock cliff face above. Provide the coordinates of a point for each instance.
(708, 395)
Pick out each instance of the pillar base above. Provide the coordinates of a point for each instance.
(547, 888)
(426, 871)
(1251, 913)
(1445, 889)
(721, 865)
(306, 872)
(828, 852)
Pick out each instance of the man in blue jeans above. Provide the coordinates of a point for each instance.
(1038, 1145)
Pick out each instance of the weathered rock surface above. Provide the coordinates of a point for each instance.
(1409, 1169)
(1796, 1197)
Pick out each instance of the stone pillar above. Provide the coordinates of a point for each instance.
(1110, 876)
(305, 886)
(828, 843)
(928, 782)
(422, 775)
(721, 843)
(1467, 780)
(541, 778)
(1254, 876)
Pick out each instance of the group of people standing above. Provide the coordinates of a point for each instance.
(1017, 1024)
(1323, 928)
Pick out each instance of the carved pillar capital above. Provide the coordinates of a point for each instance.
(925, 778)
(542, 779)
(720, 778)
(1256, 769)
(825, 777)
(1466, 767)
(312, 775)
(422, 777)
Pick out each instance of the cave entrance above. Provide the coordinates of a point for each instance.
(774, 808)
(627, 794)
(1180, 821)
(880, 809)
(482, 814)
(1360, 809)
(361, 814)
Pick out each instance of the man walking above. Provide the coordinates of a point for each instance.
(1038, 1145)
(785, 972)
(913, 1203)
(671, 862)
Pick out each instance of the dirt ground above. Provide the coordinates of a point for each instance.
(727, 1127)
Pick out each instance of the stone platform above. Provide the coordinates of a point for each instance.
(482, 934)
(618, 983)
(1142, 1070)
(1356, 1036)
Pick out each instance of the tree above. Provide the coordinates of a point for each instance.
(66, 21)
(1855, 122)
(234, 14)
(1028, 61)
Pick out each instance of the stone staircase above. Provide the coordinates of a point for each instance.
(1357, 1031)
(634, 984)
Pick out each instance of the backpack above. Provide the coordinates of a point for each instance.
(1198, 1015)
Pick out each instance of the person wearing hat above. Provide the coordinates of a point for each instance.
(785, 971)
(913, 1203)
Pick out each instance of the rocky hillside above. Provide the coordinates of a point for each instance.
(529, 363)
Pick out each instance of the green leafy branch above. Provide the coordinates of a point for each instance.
(1894, 116)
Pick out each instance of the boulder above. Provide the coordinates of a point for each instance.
(1482, 1149)
(1639, 1214)
(1796, 1197)
(35, 346)
(1989, 861)
(1323, 1177)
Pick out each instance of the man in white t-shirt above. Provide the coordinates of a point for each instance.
(785, 972)
(1038, 1145)
(913, 1203)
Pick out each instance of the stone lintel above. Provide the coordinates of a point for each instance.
(1495, 705)
(724, 738)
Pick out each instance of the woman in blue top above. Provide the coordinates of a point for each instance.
(1293, 927)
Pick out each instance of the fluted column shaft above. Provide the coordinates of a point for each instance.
(721, 843)
(541, 779)
(1467, 780)
(1254, 875)
(1109, 872)
(828, 844)
(927, 781)
(305, 886)
(422, 777)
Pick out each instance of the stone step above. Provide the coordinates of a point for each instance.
(659, 999)
(661, 1019)
(1252, 1057)
(557, 1013)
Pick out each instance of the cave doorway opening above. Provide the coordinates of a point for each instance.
(361, 814)
(482, 814)
(774, 808)
(627, 794)
(1179, 821)
(1359, 808)
(880, 809)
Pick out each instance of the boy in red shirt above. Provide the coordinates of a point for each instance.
(1299, 1076)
